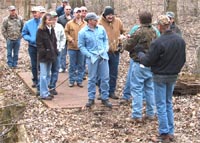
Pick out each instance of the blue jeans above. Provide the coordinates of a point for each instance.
(113, 63)
(12, 52)
(142, 84)
(100, 70)
(45, 69)
(62, 62)
(126, 92)
(34, 62)
(163, 98)
(76, 66)
(54, 72)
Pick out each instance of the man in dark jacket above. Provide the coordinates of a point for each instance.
(173, 25)
(166, 57)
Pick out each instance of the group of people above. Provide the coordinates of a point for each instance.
(157, 54)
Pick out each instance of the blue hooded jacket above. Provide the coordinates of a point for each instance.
(29, 31)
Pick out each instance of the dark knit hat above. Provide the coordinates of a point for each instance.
(108, 10)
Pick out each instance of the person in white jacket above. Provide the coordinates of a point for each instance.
(61, 40)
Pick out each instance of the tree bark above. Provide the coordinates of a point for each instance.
(49, 4)
(171, 5)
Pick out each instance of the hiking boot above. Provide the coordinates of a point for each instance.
(150, 118)
(164, 138)
(172, 138)
(90, 103)
(80, 85)
(134, 120)
(53, 92)
(113, 96)
(124, 101)
(106, 103)
(45, 98)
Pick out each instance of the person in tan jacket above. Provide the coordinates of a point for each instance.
(76, 59)
(114, 28)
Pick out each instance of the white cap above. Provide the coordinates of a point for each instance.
(35, 8)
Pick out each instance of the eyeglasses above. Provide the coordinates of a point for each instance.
(84, 10)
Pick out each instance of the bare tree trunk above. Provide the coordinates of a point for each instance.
(12, 2)
(27, 7)
(77, 3)
(49, 4)
(171, 5)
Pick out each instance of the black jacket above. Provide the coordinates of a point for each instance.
(166, 55)
(46, 45)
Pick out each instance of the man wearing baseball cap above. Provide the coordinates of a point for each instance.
(93, 43)
(166, 58)
(60, 10)
(29, 34)
(11, 30)
(173, 25)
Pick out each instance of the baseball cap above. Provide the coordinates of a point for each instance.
(42, 9)
(91, 16)
(163, 20)
(76, 9)
(170, 14)
(11, 7)
(65, 1)
(53, 14)
(35, 8)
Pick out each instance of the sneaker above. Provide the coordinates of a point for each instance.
(90, 103)
(70, 84)
(53, 92)
(99, 97)
(113, 96)
(80, 85)
(106, 103)
(85, 77)
(61, 70)
(34, 85)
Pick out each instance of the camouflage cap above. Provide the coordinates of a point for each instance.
(163, 20)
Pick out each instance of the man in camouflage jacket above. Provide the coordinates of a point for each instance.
(141, 83)
(11, 31)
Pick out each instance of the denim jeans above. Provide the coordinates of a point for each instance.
(142, 84)
(100, 70)
(163, 98)
(76, 66)
(62, 62)
(126, 92)
(34, 63)
(54, 72)
(12, 52)
(45, 69)
(113, 63)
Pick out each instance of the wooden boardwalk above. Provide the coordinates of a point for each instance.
(67, 97)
